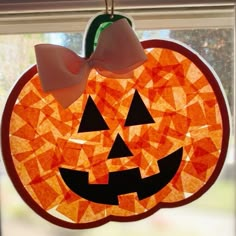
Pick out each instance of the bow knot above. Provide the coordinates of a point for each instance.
(64, 74)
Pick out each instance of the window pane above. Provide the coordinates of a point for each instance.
(212, 214)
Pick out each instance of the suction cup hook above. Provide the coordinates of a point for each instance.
(97, 24)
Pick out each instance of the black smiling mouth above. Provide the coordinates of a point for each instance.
(123, 182)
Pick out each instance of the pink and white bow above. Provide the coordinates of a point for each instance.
(64, 74)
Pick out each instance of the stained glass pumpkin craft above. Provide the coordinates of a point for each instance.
(125, 148)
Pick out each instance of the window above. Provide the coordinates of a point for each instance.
(210, 31)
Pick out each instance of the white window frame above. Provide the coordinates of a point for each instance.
(75, 20)
(62, 5)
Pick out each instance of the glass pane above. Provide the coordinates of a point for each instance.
(212, 214)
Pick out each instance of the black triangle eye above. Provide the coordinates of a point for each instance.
(92, 119)
(138, 113)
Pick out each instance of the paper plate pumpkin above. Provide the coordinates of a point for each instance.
(125, 148)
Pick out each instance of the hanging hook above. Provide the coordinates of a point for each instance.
(106, 7)
(112, 8)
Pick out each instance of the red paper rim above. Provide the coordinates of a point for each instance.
(156, 43)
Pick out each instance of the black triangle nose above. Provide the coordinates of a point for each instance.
(119, 149)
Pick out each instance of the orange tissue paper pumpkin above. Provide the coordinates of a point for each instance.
(125, 148)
